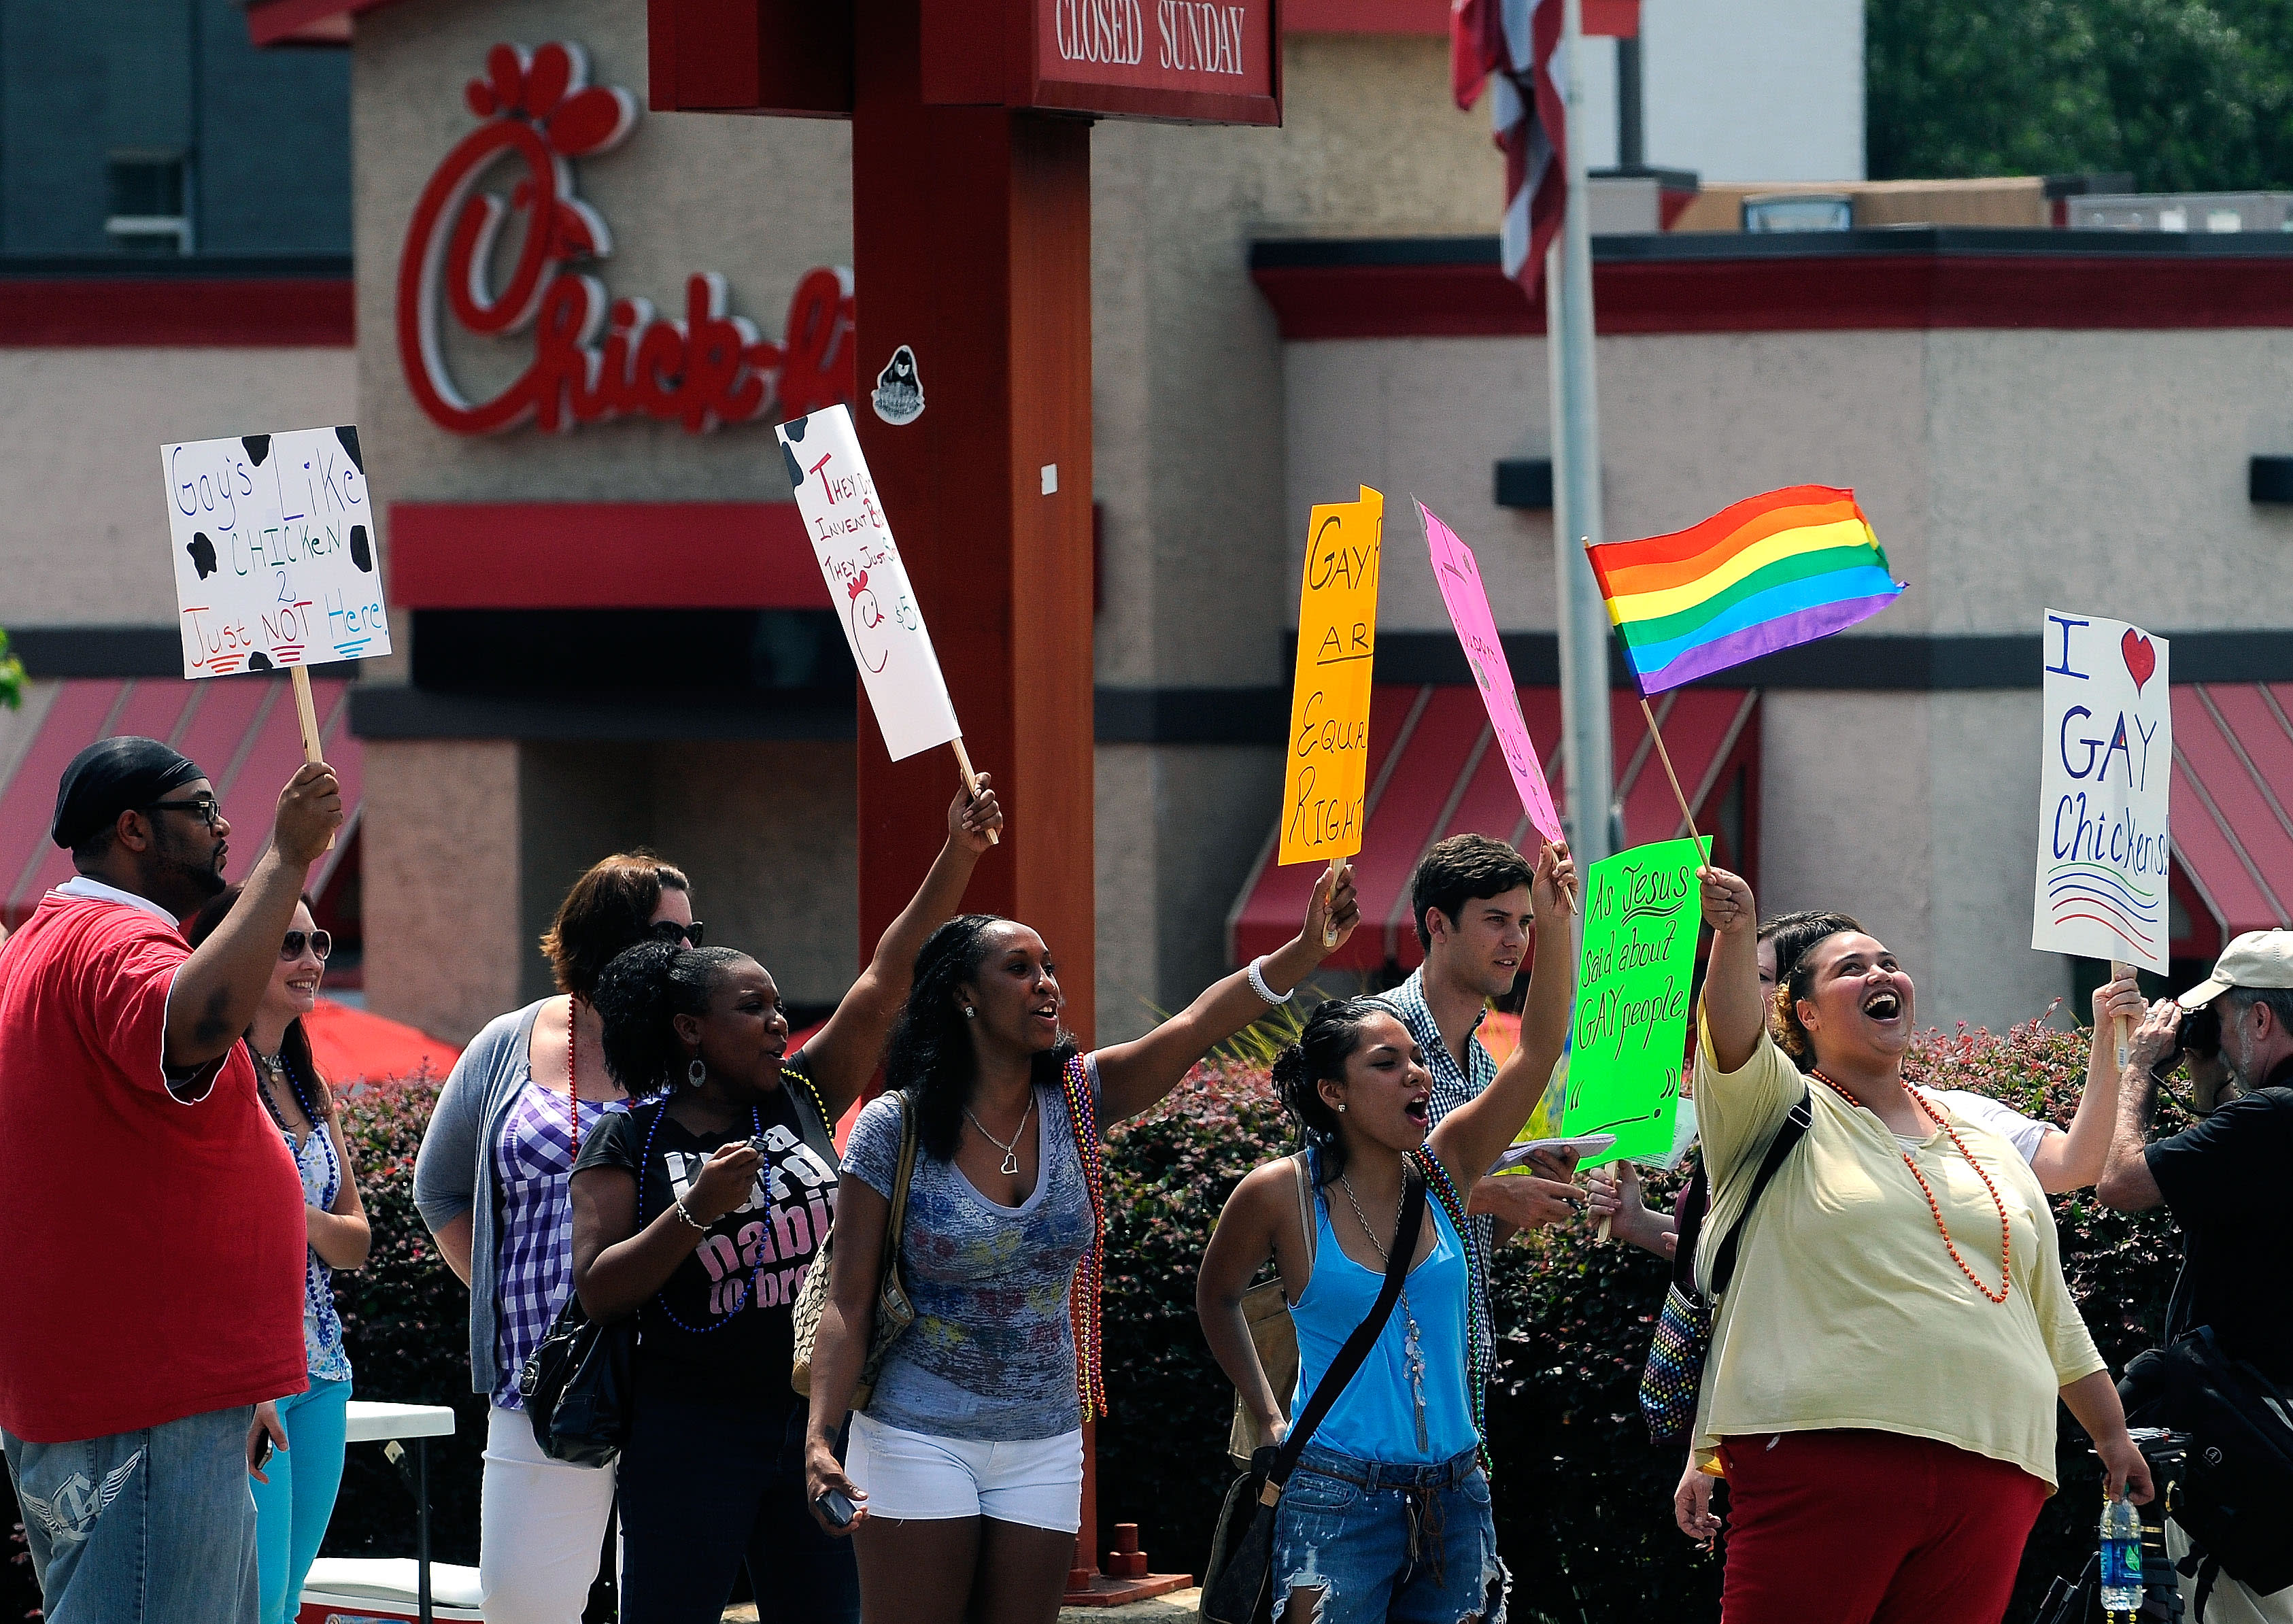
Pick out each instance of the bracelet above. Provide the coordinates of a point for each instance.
(1257, 984)
(688, 1217)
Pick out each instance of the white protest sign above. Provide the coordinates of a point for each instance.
(272, 537)
(2106, 765)
(853, 541)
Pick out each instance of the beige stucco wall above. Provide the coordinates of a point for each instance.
(86, 540)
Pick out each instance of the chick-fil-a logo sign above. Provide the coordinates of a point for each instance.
(540, 113)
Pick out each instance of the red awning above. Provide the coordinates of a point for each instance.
(1433, 773)
(240, 729)
(353, 1046)
(2232, 835)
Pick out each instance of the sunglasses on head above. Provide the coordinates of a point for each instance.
(205, 807)
(318, 942)
(669, 931)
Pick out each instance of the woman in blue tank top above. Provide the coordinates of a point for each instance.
(1387, 1517)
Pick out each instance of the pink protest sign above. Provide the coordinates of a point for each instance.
(1468, 602)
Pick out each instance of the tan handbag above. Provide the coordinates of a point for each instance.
(1275, 1335)
(893, 1313)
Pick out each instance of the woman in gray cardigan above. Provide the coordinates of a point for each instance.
(491, 1179)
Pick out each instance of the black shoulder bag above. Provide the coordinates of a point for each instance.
(1674, 1377)
(1235, 1588)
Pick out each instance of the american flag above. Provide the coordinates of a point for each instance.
(1514, 42)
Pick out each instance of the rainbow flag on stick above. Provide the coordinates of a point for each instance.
(1772, 571)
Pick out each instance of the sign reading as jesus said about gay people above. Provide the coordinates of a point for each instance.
(1629, 1039)
(2106, 762)
(272, 537)
(852, 538)
(1325, 776)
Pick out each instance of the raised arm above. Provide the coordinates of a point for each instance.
(2075, 1159)
(1471, 1137)
(1133, 1076)
(215, 990)
(848, 1050)
(1734, 1013)
(2127, 1183)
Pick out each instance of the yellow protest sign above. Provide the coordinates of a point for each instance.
(1326, 777)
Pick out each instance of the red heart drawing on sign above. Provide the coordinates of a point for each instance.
(2141, 659)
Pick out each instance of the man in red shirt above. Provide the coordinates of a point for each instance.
(152, 1216)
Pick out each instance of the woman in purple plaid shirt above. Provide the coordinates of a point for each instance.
(491, 1181)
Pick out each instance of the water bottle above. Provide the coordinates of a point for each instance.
(2121, 1557)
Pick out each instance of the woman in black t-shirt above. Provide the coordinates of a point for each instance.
(699, 1211)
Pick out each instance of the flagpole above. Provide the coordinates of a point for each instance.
(1576, 519)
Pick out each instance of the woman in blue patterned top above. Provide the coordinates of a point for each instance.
(965, 1462)
(295, 1487)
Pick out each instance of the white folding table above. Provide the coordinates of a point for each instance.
(414, 1424)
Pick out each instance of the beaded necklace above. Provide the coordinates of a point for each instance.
(661, 1298)
(2005, 1231)
(1083, 1296)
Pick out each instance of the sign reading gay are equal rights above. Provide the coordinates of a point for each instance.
(2106, 765)
(1325, 771)
(273, 545)
(1459, 576)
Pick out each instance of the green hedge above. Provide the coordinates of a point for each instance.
(1583, 1502)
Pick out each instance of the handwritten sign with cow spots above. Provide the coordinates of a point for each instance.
(273, 538)
(852, 538)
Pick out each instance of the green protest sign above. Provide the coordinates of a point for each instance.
(1630, 1037)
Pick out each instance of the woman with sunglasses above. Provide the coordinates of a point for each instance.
(492, 1181)
(294, 1488)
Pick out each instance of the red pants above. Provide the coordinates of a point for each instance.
(1870, 1528)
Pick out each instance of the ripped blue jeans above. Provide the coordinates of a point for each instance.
(1373, 1542)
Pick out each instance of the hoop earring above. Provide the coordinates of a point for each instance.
(696, 1073)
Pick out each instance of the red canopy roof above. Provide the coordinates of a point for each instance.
(353, 1046)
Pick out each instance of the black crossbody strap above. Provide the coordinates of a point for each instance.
(1794, 1129)
(1333, 1385)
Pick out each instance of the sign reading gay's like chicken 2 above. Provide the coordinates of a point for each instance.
(273, 538)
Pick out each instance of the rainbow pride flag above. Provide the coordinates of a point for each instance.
(1772, 571)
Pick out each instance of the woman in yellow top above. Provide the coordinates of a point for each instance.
(1880, 1389)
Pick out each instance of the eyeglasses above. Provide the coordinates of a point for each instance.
(207, 809)
(669, 931)
(319, 943)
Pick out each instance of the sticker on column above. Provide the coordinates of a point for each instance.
(899, 395)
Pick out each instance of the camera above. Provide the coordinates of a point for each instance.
(2198, 1036)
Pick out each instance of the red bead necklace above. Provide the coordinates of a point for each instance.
(2005, 1231)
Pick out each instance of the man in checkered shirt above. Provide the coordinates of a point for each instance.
(1471, 896)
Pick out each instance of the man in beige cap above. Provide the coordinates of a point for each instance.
(2229, 1183)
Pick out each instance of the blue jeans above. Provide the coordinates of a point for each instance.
(1416, 1545)
(291, 1511)
(150, 1527)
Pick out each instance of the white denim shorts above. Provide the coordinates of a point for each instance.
(1036, 1482)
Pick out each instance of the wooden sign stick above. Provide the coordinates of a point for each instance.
(2118, 970)
(1329, 923)
(1665, 756)
(970, 780)
(307, 710)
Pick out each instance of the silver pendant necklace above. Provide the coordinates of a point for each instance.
(1413, 1352)
(1010, 1166)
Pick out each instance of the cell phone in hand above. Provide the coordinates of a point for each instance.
(835, 1507)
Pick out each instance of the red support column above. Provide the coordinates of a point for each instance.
(971, 246)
